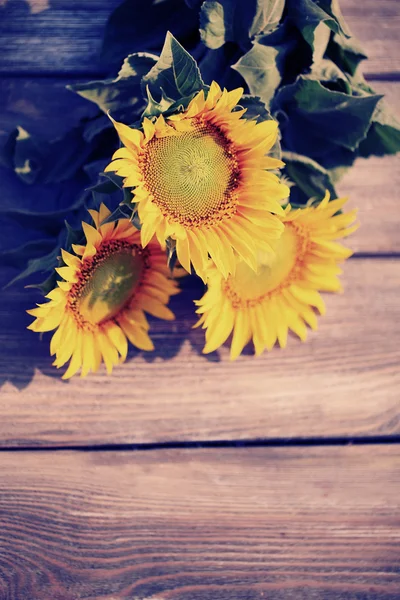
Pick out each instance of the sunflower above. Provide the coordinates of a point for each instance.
(282, 295)
(199, 176)
(108, 284)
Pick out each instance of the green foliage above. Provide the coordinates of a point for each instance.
(317, 119)
(308, 15)
(237, 21)
(295, 60)
(346, 53)
(138, 25)
(42, 161)
(122, 96)
(43, 265)
(383, 136)
(311, 179)
(174, 78)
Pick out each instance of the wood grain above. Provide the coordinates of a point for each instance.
(279, 523)
(67, 37)
(344, 381)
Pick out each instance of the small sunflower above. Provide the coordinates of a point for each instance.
(100, 305)
(199, 176)
(282, 295)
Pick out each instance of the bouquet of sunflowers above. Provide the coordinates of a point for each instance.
(222, 168)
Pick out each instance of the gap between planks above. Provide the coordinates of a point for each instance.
(381, 440)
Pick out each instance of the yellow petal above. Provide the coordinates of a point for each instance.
(131, 138)
(241, 333)
(136, 335)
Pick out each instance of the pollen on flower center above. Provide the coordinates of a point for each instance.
(107, 282)
(192, 176)
(247, 288)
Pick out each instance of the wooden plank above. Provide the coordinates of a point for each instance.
(66, 38)
(344, 381)
(210, 524)
(371, 185)
(376, 25)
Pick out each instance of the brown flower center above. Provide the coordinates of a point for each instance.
(192, 176)
(107, 282)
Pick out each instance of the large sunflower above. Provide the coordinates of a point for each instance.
(203, 178)
(263, 306)
(100, 305)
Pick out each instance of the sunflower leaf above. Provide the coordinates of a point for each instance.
(121, 96)
(315, 120)
(255, 108)
(237, 21)
(307, 15)
(44, 264)
(309, 177)
(42, 161)
(175, 74)
(141, 25)
(259, 68)
(114, 178)
(274, 58)
(16, 257)
(345, 53)
(171, 253)
(121, 212)
(383, 136)
(155, 107)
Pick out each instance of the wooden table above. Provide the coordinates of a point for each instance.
(187, 477)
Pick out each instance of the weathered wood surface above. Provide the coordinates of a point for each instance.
(212, 524)
(64, 36)
(344, 381)
(233, 524)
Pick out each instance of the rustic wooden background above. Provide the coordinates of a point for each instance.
(184, 477)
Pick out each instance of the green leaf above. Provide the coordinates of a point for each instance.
(308, 15)
(322, 34)
(237, 21)
(259, 69)
(315, 120)
(121, 96)
(154, 107)
(264, 66)
(346, 53)
(17, 257)
(311, 179)
(137, 25)
(383, 136)
(43, 161)
(333, 78)
(176, 74)
(171, 253)
(42, 265)
(255, 108)
(114, 178)
(121, 212)
(45, 286)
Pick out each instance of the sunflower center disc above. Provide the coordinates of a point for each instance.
(191, 175)
(110, 286)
